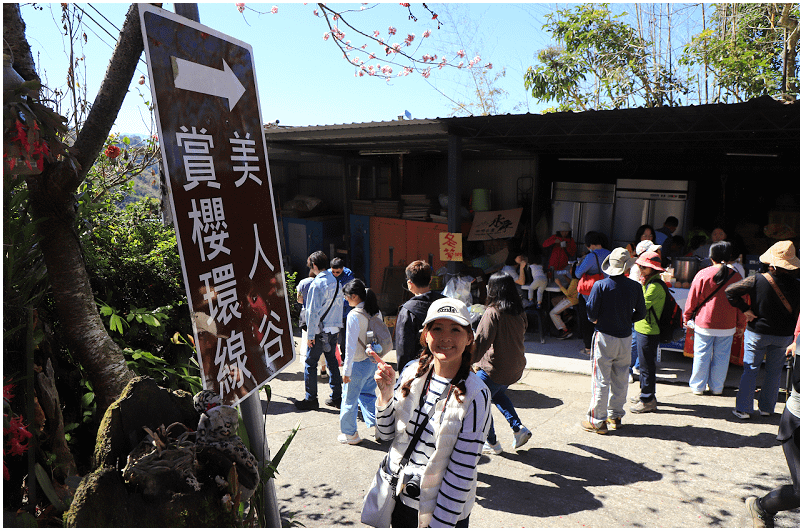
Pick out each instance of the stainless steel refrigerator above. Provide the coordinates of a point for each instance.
(638, 202)
(585, 206)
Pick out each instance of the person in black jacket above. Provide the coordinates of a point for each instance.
(413, 312)
(771, 315)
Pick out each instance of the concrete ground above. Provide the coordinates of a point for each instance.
(691, 464)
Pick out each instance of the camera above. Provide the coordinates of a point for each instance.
(411, 483)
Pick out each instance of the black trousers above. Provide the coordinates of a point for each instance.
(786, 497)
(405, 516)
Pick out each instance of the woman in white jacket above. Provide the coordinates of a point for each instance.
(440, 393)
(358, 387)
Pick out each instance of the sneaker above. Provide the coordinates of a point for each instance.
(635, 399)
(306, 405)
(761, 518)
(323, 373)
(716, 393)
(764, 413)
(741, 414)
(349, 439)
(697, 393)
(636, 371)
(334, 403)
(645, 407)
(600, 429)
(495, 448)
(521, 437)
(614, 423)
(630, 378)
(564, 334)
(586, 352)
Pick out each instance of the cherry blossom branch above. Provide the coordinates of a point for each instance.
(386, 72)
(334, 18)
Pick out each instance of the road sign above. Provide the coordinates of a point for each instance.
(209, 124)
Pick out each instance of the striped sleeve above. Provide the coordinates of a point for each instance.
(458, 477)
(385, 418)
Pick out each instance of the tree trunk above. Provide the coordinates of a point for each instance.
(52, 196)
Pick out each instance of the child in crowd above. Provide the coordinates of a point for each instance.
(539, 282)
(570, 299)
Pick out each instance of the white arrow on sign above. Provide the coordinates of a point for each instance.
(207, 80)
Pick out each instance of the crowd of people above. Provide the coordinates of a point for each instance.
(433, 408)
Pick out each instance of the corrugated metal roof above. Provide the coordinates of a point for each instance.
(758, 126)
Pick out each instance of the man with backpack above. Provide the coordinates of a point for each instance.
(648, 333)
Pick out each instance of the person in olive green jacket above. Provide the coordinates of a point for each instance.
(647, 331)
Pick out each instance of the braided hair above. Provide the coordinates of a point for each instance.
(426, 359)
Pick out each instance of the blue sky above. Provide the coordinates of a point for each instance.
(302, 79)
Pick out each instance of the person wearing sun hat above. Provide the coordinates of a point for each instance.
(614, 304)
(771, 315)
(647, 331)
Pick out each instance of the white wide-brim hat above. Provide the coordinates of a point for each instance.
(617, 262)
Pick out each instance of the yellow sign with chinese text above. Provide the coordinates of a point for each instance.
(450, 248)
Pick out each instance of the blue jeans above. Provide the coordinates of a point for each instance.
(756, 348)
(322, 341)
(503, 404)
(360, 391)
(712, 354)
(634, 352)
(647, 347)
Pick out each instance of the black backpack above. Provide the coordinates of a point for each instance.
(670, 322)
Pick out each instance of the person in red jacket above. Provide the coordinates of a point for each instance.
(714, 321)
(563, 247)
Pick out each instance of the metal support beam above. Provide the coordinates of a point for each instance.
(453, 193)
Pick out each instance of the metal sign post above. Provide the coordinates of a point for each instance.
(215, 160)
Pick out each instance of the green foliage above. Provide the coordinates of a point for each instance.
(24, 273)
(601, 62)
(269, 471)
(180, 373)
(742, 50)
(291, 291)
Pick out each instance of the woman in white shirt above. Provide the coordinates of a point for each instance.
(358, 387)
(439, 394)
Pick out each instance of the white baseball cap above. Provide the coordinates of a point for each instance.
(448, 308)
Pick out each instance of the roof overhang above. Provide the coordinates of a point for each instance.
(759, 127)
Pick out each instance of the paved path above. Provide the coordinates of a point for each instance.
(691, 464)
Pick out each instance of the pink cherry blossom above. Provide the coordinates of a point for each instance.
(325, 36)
(240, 7)
(316, 13)
(426, 34)
(376, 33)
(461, 64)
(461, 53)
(426, 73)
(488, 65)
(274, 10)
(392, 30)
(477, 59)
(396, 47)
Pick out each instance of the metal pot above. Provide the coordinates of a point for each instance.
(685, 268)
